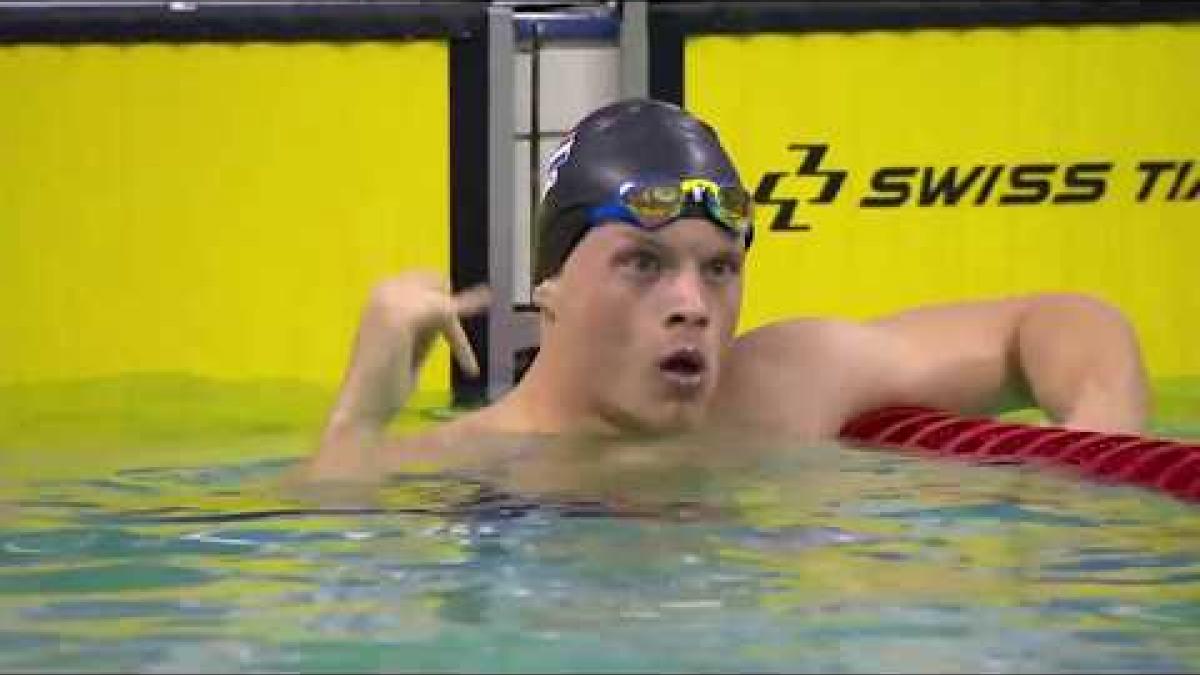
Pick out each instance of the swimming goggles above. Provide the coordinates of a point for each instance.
(651, 205)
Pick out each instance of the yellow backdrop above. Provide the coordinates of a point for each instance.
(214, 211)
(944, 98)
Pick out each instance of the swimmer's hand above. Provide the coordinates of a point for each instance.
(402, 318)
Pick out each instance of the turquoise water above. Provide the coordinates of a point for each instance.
(712, 555)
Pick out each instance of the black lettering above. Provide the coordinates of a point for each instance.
(882, 184)
(1152, 170)
(988, 183)
(765, 194)
(814, 153)
(1026, 177)
(1091, 187)
(1194, 192)
(945, 188)
(1184, 170)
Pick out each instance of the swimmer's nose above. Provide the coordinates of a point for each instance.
(688, 318)
(689, 302)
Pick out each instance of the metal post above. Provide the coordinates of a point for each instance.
(501, 196)
(633, 40)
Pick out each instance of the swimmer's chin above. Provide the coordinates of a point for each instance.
(672, 418)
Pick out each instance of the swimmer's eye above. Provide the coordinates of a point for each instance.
(722, 268)
(642, 262)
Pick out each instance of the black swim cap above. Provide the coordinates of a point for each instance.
(635, 138)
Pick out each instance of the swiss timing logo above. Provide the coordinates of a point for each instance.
(971, 185)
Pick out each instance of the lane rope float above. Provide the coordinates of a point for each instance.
(1158, 464)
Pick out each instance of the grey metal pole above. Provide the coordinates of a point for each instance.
(501, 196)
(633, 40)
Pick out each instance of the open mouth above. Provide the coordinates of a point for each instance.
(684, 367)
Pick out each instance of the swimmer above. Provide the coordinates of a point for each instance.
(642, 235)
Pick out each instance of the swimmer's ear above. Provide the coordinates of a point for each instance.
(545, 296)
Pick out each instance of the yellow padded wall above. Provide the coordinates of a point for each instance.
(215, 210)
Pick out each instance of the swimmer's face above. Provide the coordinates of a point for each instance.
(650, 314)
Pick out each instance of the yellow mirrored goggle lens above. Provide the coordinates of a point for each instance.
(733, 206)
(657, 204)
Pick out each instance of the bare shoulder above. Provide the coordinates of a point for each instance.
(782, 337)
(467, 439)
(814, 343)
(442, 437)
(800, 377)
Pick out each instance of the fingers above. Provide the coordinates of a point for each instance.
(461, 346)
(473, 300)
(424, 304)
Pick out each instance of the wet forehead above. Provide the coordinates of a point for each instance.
(696, 236)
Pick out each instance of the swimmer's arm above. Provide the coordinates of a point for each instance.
(1074, 356)
(402, 318)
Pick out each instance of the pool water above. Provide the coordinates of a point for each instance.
(707, 555)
